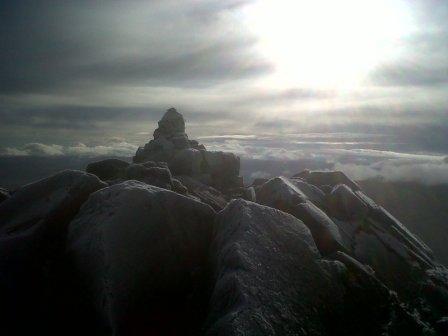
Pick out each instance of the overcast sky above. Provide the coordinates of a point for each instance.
(95, 76)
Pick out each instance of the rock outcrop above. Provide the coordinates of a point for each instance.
(188, 157)
(139, 249)
(345, 219)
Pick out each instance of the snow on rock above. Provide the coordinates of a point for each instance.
(281, 193)
(141, 252)
(284, 194)
(205, 193)
(324, 230)
(269, 279)
(156, 176)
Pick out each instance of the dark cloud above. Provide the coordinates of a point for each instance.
(47, 47)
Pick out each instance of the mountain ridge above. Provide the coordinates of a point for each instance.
(175, 243)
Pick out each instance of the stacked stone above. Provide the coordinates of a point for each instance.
(188, 157)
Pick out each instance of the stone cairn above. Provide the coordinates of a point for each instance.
(188, 157)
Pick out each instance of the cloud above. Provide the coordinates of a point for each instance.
(116, 147)
(50, 47)
(429, 173)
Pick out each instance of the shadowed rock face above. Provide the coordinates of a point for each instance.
(142, 253)
(4, 194)
(33, 224)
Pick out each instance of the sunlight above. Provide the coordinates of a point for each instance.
(325, 42)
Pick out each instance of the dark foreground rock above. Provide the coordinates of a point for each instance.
(33, 225)
(4, 194)
(141, 253)
(108, 169)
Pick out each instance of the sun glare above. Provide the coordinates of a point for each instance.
(327, 42)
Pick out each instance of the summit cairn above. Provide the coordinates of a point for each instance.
(189, 158)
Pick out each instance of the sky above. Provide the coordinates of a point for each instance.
(355, 83)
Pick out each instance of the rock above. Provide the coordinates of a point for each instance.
(269, 279)
(187, 162)
(188, 157)
(4, 194)
(32, 237)
(283, 194)
(316, 195)
(343, 203)
(400, 260)
(259, 181)
(205, 193)
(180, 141)
(370, 308)
(249, 194)
(156, 176)
(108, 169)
(141, 252)
(224, 169)
(280, 193)
(331, 178)
(172, 123)
(324, 230)
(179, 187)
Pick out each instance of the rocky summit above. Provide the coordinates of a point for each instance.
(173, 242)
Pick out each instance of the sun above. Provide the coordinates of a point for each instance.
(327, 42)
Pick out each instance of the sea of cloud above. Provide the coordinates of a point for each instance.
(360, 156)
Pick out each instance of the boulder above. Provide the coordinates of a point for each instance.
(205, 193)
(280, 193)
(343, 203)
(179, 187)
(283, 194)
(187, 162)
(108, 169)
(315, 194)
(156, 176)
(32, 237)
(4, 194)
(141, 252)
(269, 278)
(324, 230)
